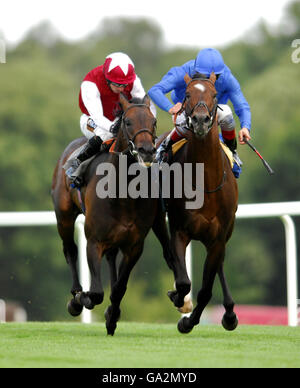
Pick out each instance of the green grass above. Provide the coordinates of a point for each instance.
(36, 344)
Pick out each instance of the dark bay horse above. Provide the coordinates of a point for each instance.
(111, 223)
(212, 224)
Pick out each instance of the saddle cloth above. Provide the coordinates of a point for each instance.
(179, 144)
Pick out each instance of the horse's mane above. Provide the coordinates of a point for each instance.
(199, 75)
(136, 100)
(203, 76)
(119, 112)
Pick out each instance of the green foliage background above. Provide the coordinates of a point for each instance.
(39, 116)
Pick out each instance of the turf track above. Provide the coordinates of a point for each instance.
(36, 344)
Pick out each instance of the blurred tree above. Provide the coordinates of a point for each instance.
(44, 33)
(292, 18)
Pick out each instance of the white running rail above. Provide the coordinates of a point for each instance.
(283, 210)
(2, 311)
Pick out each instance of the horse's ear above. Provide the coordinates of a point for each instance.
(213, 77)
(146, 100)
(124, 102)
(187, 78)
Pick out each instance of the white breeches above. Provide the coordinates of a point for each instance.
(225, 120)
(102, 133)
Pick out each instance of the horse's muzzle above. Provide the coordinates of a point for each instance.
(200, 125)
(146, 155)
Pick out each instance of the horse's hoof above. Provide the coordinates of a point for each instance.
(88, 304)
(230, 322)
(183, 326)
(74, 308)
(173, 295)
(84, 300)
(187, 307)
(77, 298)
(111, 329)
(96, 298)
(111, 319)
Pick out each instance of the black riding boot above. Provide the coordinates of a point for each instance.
(232, 145)
(90, 149)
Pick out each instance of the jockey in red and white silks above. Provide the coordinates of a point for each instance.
(99, 93)
(99, 101)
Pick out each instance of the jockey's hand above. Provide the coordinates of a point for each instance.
(244, 132)
(175, 108)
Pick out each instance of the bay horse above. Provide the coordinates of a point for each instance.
(213, 223)
(111, 224)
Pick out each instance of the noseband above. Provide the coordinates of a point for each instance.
(130, 140)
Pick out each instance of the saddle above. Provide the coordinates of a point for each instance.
(107, 146)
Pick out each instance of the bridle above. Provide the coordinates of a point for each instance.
(212, 117)
(212, 113)
(131, 147)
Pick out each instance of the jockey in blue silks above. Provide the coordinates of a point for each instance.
(208, 60)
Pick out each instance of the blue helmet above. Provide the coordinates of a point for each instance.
(209, 60)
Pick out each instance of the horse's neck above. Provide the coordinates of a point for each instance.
(207, 150)
(121, 144)
(122, 162)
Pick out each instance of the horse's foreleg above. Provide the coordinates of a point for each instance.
(215, 257)
(161, 232)
(113, 312)
(66, 231)
(111, 257)
(179, 243)
(96, 294)
(229, 320)
(65, 226)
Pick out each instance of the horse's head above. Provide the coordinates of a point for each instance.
(138, 128)
(200, 103)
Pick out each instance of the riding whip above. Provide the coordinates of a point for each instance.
(269, 169)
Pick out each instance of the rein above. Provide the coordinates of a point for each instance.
(220, 185)
(131, 148)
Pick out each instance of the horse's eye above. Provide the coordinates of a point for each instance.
(127, 123)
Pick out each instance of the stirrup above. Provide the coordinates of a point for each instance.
(76, 183)
(70, 173)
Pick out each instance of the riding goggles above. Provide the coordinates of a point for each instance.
(118, 85)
